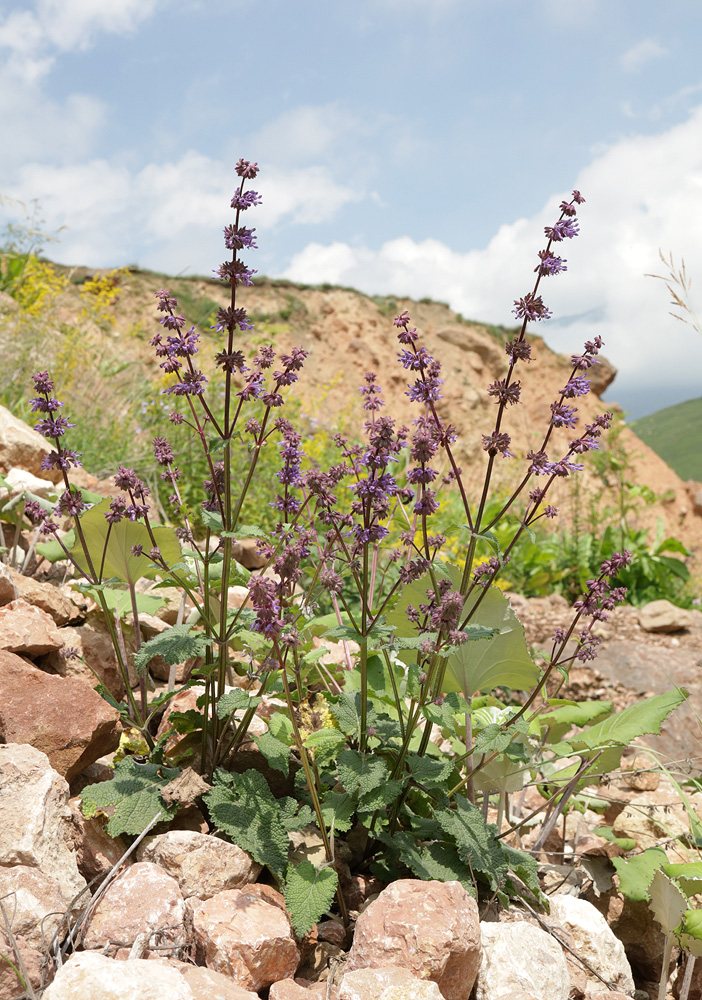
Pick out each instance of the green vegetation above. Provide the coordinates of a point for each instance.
(675, 433)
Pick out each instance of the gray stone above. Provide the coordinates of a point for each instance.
(518, 956)
(591, 938)
(662, 616)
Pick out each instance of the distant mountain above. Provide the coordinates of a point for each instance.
(675, 434)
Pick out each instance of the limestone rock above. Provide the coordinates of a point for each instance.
(33, 902)
(47, 598)
(91, 643)
(23, 447)
(88, 975)
(10, 985)
(242, 936)
(633, 924)
(590, 937)
(430, 928)
(246, 552)
(62, 717)
(367, 984)
(143, 898)
(206, 984)
(35, 820)
(650, 818)
(662, 616)
(28, 630)
(201, 864)
(8, 590)
(96, 851)
(292, 989)
(418, 990)
(518, 956)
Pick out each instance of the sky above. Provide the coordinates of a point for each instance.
(406, 147)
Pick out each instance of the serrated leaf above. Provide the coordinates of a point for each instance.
(276, 753)
(212, 520)
(642, 718)
(176, 645)
(308, 894)
(438, 861)
(378, 798)
(281, 727)
(234, 701)
(691, 932)
(347, 713)
(326, 744)
(667, 902)
(293, 815)
(134, 794)
(429, 771)
(337, 810)
(526, 868)
(492, 737)
(688, 876)
(635, 874)
(244, 808)
(475, 841)
(361, 771)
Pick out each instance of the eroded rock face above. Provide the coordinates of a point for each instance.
(144, 898)
(589, 935)
(203, 865)
(47, 598)
(23, 447)
(62, 717)
(10, 985)
(96, 851)
(206, 984)
(520, 957)
(35, 820)
(87, 975)
(34, 901)
(27, 630)
(244, 937)
(92, 644)
(430, 928)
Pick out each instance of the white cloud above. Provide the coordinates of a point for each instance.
(171, 214)
(35, 36)
(642, 193)
(640, 54)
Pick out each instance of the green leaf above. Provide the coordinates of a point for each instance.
(119, 561)
(626, 843)
(134, 794)
(429, 771)
(212, 520)
(281, 727)
(635, 874)
(667, 902)
(475, 841)
(488, 663)
(492, 737)
(121, 601)
(308, 894)
(361, 771)
(244, 808)
(276, 753)
(234, 701)
(293, 815)
(526, 868)
(691, 932)
(249, 531)
(688, 876)
(380, 797)
(326, 744)
(438, 861)
(52, 550)
(564, 714)
(347, 713)
(643, 718)
(175, 645)
(337, 810)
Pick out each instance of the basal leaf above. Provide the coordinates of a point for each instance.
(379, 797)
(276, 753)
(438, 861)
(175, 645)
(667, 902)
(429, 771)
(308, 894)
(347, 712)
(337, 810)
(475, 841)
(326, 744)
(133, 794)
(361, 771)
(636, 873)
(244, 808)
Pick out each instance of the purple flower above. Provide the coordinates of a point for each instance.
(137, 550)
(239, 238)
(497, 442)
(249, 199)
(116, 511)
(42, 383)
(531, 307)
(50, 405)
(505, 394)
(576, 386)
(34, 511)
(70, 503)
(425, 390)
(53, 427)
(231, 361)
(192, 384)
(564, 468)
(564, 229)
(61, 460)
(563, 415)
(550, 511)
(235, 272)
(539, 463)
(163, 453)
(165, 301)
(427, 504)
(248, 170)
(578, 198)
(518, 350)
(228, 318)
(172, 322)
(550, 264)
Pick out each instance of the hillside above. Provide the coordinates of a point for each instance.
(112, 368)
(675, 433)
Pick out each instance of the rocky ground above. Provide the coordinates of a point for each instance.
(185, 914)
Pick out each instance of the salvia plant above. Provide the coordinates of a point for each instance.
(396, 754)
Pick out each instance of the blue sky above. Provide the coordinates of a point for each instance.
(410, 147)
